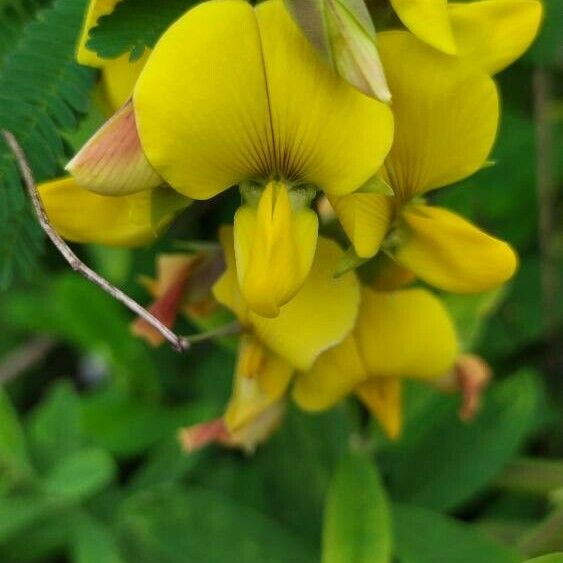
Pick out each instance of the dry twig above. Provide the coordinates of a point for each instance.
(178, 343)
(25, 357)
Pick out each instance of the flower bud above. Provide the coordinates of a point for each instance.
(343, 33)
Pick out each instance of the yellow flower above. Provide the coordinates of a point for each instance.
(489, 33)
(236, 95)
(271, 350)
(446, 117)
(402, 334)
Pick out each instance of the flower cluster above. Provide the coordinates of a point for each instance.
(330, 260)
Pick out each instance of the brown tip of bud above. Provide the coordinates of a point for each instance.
(169, 289)
(112, 162)
(473, 375)
(195, 437)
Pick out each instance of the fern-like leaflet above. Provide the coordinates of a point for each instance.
(43, 91)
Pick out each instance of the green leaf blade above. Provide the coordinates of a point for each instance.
(357, 523)
(80, 475)
(42, 91)
(423, 536)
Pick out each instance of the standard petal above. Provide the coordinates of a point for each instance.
(494, 33)
(274, 248)
(429, 21)
(384, 398)
(202, 102)
(405, 333)
(112, 162)
(446, 115)
(96, 9)
(217, 106)
(365, 218)
(326, 133)
(79, 215)
(452, 254)
(118, 78)
(336, 373)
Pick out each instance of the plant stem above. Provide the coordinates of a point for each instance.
(178, 343)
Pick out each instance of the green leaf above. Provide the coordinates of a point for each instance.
(166, 464)
(423, 536)
(19, 512)
(551, 558)
(308, 448)
(41, 538)
(126, 427)
(443, 462)
(13, 450)
(42, 91)
(171, 525)
(54, 429)
(134, 25)
(357, 522)
(14, 15)
(93, 542)
(80, 475)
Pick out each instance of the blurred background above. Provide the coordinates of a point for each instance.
(90, 468)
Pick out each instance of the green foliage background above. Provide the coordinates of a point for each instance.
(90, 470)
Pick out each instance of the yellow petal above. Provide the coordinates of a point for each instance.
(494, 33)
(429, 21)
(226, 290)
(96, 9)
(405, 333)
(450, 253)
(383, 397)
(258, 429)
(217, 106)
(201, 100)
(345, 136)
(446, 115)
(261, 379)
(118, 78)
(365, 218)
(82, 216)
(335, 374)
(112, 162)
(274, 248)
(318, 317)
